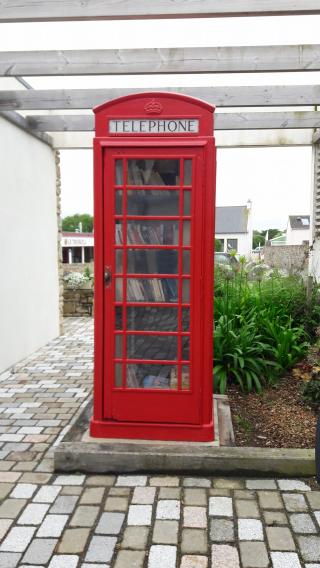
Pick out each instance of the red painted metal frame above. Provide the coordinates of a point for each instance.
(155, 413)
(178, 406)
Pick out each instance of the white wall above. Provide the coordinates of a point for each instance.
(29, 290)
(244, 242)
(297, 236)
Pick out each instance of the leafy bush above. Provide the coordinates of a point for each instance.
(263, 324)
(311, 391)
(287, 343)
(75, 280)
(237, 356)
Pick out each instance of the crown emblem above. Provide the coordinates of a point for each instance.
(153, 107)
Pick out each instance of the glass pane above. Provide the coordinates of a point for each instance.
(119, 202)
(119, 262)
(152, 261)
(232, 244)
(162, 347)
(185, 377)
(186, 262)
(185, 348)
(152, 376)
(186, 291)
(187, 203)
(185, 319)
(119, 172)
(118, 317)
(152, 319)
(153, 232)
(118, 374)
(119, 289)
(187, 172)
(186, 233)
(118, 346)
(118, 233)
(152, 290)
(153, 202)
(153, 172)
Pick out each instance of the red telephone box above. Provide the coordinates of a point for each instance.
(154, 230)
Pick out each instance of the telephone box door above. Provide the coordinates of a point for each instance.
(153, 217)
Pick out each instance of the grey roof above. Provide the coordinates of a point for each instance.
(232, 219)
(296, 221)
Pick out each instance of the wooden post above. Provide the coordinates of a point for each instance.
(318, 452)
(314, 261)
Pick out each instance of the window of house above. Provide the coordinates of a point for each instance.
(232, 244)
(222, 244)
(88, 254)
(76, 255)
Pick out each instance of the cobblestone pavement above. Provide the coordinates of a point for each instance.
(129, 521)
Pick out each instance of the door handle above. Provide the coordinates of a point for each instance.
(107, 276)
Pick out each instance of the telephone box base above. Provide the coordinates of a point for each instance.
(152, 431)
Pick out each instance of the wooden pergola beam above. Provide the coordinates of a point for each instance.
(223, 121)
(293, 95)
(236, 139)
(160, 60)
(316, 136)
(64, 10)
(22, 123)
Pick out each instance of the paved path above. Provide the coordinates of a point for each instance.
(99, 521)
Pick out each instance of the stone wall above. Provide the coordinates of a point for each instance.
(76, 267)
(77, 303)
(293, 258)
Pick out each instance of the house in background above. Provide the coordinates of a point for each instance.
(234, 228)
(77, 248)
(278, 241)
(298, 230)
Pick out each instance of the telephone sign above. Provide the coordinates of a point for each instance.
(154, 126)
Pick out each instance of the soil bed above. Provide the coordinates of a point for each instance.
(277, 418)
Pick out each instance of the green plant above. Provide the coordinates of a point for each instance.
(244, 424)
(311, 391)
(88, 274)
(263, 324)
(75, 280)
(287, 343)
(239, 356)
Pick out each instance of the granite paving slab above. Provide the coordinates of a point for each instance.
(52, 520)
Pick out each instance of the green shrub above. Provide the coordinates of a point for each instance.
(287, 343)
(237, 356)
(311, 391)
(263, 324)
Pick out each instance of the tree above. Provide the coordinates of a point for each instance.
(272, 233)
(259, 237)
(71, 223)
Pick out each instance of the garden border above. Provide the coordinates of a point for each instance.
(74, 453)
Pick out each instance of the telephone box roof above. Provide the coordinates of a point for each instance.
(155, 94)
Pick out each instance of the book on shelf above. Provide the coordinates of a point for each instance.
(152, 290)
(140, 233)
(119, 239)
(132, 379)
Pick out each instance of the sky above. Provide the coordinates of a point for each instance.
(277, 180)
